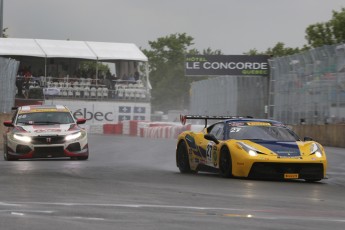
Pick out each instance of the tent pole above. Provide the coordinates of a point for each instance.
(97, 72)
(45, 72)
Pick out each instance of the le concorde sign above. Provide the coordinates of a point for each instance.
(207, 65)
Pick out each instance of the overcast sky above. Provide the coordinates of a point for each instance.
(233, 26)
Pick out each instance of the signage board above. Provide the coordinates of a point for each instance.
(220, 65)
(105, 112)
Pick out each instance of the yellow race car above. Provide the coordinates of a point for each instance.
(248, 147)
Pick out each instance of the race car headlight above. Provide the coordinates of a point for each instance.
(73, 136)
(315, 149)
(22, 138)
(249, 149)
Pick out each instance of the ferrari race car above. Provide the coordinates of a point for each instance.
(247, 147)
(40, 131)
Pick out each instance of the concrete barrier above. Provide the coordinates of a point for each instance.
(327, 135)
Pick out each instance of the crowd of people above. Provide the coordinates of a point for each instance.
(128, 86)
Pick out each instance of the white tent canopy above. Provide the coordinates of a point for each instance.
(123, 51)
(20, 47)
(70, 49)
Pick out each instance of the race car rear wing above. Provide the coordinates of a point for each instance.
(183, 118)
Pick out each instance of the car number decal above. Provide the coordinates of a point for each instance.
(209, 152)
(235, 130)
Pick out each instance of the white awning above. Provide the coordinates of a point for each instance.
(70, 49)
(66, 49)
(117, 51)
(20, 47)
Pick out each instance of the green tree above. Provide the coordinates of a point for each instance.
(327, 33)
(4, 35)
(170, 87)
(278, 50)
(89, 68)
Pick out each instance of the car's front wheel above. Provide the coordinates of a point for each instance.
(83, 158)
(225, 163)
(182, 160)
(6, 156)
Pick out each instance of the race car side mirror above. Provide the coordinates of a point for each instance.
(211, 137)
(8, 124)
(81, 121)
(308, 139)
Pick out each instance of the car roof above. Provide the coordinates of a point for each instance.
(42, 108)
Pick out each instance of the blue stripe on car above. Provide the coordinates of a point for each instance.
(283, 149)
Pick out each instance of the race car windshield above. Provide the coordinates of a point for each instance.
(265, 133)
(45, 118)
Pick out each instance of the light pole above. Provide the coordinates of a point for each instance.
(1, 16)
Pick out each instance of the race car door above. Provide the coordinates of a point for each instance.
(211, 147)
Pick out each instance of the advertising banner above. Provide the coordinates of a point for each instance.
(220, 65)
(105, 112)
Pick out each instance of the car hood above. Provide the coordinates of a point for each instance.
(56, 129)
(283, 149)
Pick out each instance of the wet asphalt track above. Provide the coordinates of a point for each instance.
(133, 183)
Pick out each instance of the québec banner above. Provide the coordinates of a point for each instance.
(220, 65)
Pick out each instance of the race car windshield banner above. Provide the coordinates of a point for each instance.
(220, 65)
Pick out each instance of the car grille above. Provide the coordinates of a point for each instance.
(44, 140)
(75, 147)
(277, 170)
(42, 152)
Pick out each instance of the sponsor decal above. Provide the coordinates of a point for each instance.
(139, 118)
(257, 123)
(124, 117)
(201, 65)
(47, 130)
(139, 109)
(236, 124)
(88, 115)
(125, 109)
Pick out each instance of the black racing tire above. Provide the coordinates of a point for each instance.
(5, 152)
(182, 159)
(83, 158)
(6, 157)
(225, 163)
(313, 180)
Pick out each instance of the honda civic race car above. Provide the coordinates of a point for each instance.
(40, 131)
(247, 147)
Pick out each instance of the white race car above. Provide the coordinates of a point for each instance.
(41, 131)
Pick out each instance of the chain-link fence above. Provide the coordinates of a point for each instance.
(309, 87)
(230, 95)
(8, 72)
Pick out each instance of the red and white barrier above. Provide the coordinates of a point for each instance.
(147, 129)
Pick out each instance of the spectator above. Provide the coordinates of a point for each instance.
(26, 88)
(19, 84)
(136, 76)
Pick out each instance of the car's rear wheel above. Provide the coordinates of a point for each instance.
(225, 163)
(182, 160)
